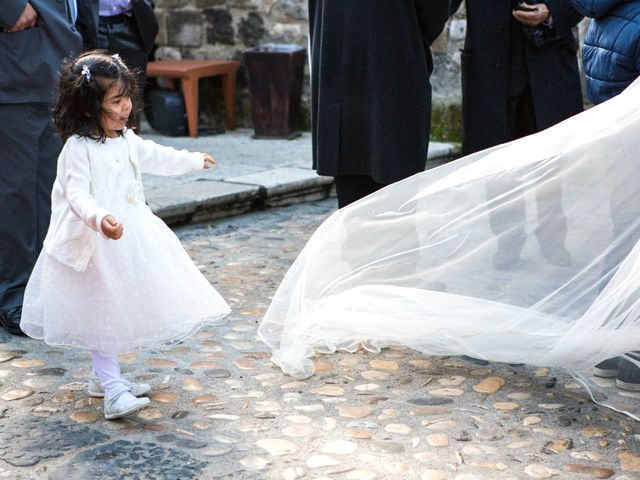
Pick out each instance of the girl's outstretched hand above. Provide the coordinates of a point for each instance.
(208, 161)
(111, 228)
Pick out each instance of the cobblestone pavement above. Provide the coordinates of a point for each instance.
(220, 409)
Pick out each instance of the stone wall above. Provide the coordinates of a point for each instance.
(224, 29)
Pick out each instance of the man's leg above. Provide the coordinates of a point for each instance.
(351, 188)
(27, 160)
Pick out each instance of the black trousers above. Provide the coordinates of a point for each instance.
(28, 157)
(351, 188)
(122, 37)
(507, 222)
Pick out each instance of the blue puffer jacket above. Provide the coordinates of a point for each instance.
(611, 51)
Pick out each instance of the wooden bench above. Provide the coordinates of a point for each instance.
(189, 72)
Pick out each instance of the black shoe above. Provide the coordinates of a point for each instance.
(628, 377)
(475, 361)
(607, 368)
(10, 321)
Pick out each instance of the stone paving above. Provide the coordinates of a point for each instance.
(220, 409)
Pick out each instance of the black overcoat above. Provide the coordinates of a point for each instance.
(370, 90)
(552, 69)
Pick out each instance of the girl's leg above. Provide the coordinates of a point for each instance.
(108, 371)
(118, 400)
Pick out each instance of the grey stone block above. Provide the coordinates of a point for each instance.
(283, 186)
(184, 28)
(203, 200)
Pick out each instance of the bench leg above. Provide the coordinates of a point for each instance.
(190, 93)
(229, 89)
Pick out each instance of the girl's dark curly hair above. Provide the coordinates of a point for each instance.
(84, 82)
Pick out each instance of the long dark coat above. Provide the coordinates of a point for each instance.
(370, 90)
(552, 69)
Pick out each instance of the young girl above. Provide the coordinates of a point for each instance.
(112, 278)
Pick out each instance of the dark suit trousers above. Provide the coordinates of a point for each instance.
(28, 159)
(123, 38)
(351, 188)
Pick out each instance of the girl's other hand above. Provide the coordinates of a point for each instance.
(208, 161)
(111, 228)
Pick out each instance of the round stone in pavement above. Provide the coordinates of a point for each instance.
(135, 460)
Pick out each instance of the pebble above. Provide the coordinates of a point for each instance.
(505, 405)
(536, 470)
(277, 446)
(205, 399)
(437, 440)
(531, 421)
(629, 462)
(161, 363)
(16, 394)
(434, 475)
(399, 428)
(375, 375)
(255, 463)
(386, 447)
(191, 385)
(328, 390)
(85, 417)
(150, 414)
(558, 446)
(360, 475)
(28, 363)
(357, 433)
(217, 373)
(386, 365)
(489, 385)
(585, 455)
(164, 397)
(340, 447)
(5, 356)
(588, 470)
(592, 431)
(348, 411)
(267, 406)
(367, 387)
(447, 392)
(299, 419)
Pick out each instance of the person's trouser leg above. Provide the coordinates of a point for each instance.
(28, 160)
(351, 188)
(124, 39)
(507, 218)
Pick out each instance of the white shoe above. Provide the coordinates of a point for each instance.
(123, 404)
(95, 389)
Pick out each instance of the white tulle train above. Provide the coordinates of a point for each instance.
(525, 252)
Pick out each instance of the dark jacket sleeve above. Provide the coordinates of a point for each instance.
(10, 12)
(432, 15)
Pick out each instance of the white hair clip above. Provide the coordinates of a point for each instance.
(86, 73)
(116, 57)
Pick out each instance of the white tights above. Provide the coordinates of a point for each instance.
(108, 371)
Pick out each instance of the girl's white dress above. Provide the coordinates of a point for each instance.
(141, 291)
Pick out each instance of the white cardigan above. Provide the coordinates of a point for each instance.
(87, 170)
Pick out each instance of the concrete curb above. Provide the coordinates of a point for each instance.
(203, 200)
